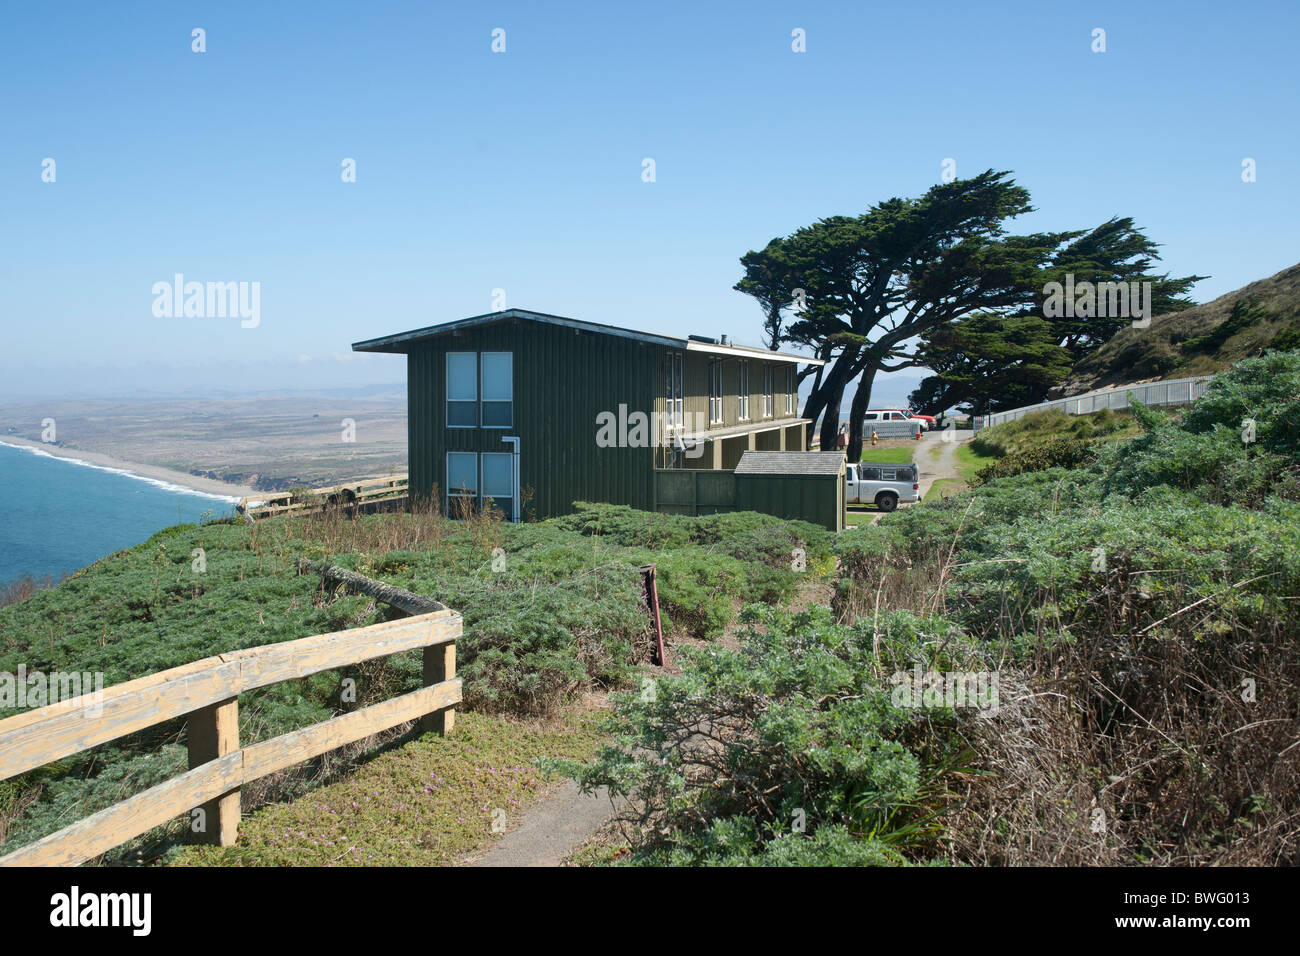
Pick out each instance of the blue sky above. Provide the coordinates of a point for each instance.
(522, 170)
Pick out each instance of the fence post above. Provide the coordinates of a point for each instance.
(439, 666)
(213, 732)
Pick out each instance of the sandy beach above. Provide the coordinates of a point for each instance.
(155, 472)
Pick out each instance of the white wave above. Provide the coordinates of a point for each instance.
(156, 482)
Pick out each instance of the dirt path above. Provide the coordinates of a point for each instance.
(932, 467)
(551, 830)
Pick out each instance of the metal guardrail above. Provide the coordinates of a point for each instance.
(1174, 391)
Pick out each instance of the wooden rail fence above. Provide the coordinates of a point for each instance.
(207, 691)
(370, 493)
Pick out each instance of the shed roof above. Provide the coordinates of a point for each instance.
(791, 463)
(401, 342)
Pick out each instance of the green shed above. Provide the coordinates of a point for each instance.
(803, 485)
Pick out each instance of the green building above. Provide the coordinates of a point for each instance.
(534, 412)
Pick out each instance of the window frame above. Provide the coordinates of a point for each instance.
(484, 400)
(742, 390)
(769, 401)
(448, 401)
(673, 376)
(483, 496)
(715, 393)
(448, 493)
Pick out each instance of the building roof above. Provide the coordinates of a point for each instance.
(401, 342)
(791, 463)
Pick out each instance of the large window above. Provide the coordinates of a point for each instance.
(499, 482)
(715, 392)
(767, 391)
(462, 483)
(462, 390)
(743, 391)
(789, 390)
(498, 389)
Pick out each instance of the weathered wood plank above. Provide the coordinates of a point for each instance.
(274, 663)
(211, 733)
(41, 736)
(399, 598)
(100, 832)
(289, 749)
(439, 666)
(51, 733)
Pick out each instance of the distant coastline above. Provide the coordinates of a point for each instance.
(165, 477)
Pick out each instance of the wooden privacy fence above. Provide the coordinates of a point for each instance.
(370, 494)
(694, 491)
(207, 692)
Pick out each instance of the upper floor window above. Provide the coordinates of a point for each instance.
(462, 390)
(767, 391)
(715, 392)
(475, 379)
(498, 389)
(673, 388)
(789, 390)
(743, 391)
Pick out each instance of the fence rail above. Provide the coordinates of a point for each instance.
(368, 493)
(1174, 391)
(207, 692)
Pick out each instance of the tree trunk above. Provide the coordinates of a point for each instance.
(858, 411)
(828, 397)
(399, 598)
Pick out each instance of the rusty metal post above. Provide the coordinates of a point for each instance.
(652, 601)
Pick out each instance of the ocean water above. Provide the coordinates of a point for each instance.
(58, 515)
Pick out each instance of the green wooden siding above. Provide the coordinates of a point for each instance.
(818, 499)
(562, 380)
(815, 498)
(695, 389)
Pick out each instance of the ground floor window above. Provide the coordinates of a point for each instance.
(499, 482)
(462, 483)
(476, 481)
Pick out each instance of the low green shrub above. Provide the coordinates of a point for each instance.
(806, 759)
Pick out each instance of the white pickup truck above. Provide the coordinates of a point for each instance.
(882, 484)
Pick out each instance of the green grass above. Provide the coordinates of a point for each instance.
(854, 518)
(430, 802)
(969, 461)
(1025, 434)
(887, 455)
(945, 488)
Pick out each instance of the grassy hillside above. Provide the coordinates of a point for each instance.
(552, 611)
(1200, 341)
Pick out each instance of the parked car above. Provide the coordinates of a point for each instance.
(882, 484)
(874, 415)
